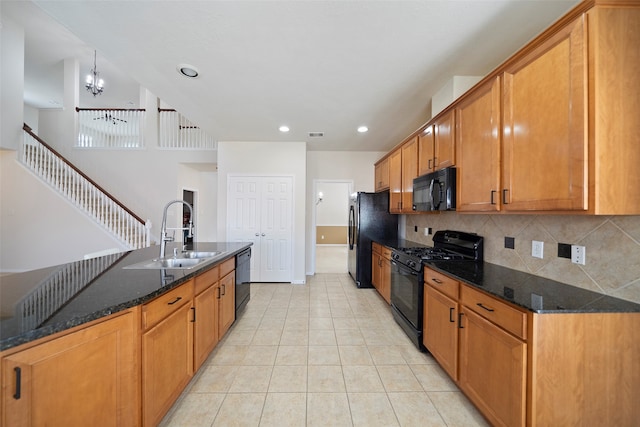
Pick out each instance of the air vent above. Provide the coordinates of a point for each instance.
(316, 134)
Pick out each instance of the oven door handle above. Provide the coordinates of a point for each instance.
(405, 269)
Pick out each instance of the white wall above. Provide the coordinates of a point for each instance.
(11, 83)
(333, 208)
(268, 158)
(38, 228)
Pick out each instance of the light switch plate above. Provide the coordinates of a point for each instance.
(537, 249)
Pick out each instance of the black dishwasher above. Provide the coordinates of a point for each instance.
(243, 281)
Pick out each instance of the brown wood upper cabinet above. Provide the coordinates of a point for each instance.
(568, 139)
(403, 168)
(544, 137)
(478, 121)
(395, 181)
(382, 175)
(437, 145)
(409, 172)
(426, 151)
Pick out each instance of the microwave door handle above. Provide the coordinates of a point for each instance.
(431, 195)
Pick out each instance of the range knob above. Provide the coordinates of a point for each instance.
(412, 264)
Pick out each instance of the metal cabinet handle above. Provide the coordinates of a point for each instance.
(193, 309)
(257, 234)
(18, 372)
(263, 234)
(485, 307)
(460, 320)
(219, 295)
(492, 193)
(439, 282)
(224, 290)
(504, 196)
(451, 319)
(174, 301)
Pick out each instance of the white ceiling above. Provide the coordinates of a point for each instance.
(316, 66)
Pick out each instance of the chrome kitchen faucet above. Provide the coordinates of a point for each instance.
(163, 235)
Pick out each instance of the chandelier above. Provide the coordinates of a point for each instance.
(94, 84)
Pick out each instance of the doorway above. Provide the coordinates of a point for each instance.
(330, 225)
(189, 197)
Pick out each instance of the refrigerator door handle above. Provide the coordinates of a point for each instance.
(352, 228)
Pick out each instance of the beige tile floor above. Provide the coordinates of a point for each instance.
(320, 354)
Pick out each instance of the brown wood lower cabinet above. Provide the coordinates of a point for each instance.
(493, 370)
(167, 351)
(535, 369)
(227, 302)
(381, 270)
(85, 378)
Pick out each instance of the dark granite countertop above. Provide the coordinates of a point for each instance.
(534, 293)
(42, 302)
(531, 292)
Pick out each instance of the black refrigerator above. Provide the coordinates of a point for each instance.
(369, 219)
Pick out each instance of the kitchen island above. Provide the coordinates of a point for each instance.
(96, 340)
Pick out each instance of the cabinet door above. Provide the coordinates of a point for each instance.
(425, 151)
(409, 172)
(444, 143)
(478, 150)
(382, 175)
(545, 139)
(385, 278)
(376, 265)
(226, 303)
(395, 182)
(493, 370)
(441, 329)
(86, 378)
(205, 334)
(167, 363)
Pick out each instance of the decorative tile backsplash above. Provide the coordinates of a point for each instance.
(612, 246)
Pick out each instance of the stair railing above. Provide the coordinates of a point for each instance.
(83, 192)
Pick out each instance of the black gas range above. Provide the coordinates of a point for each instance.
(407, 286)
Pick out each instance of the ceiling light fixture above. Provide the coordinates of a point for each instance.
(94, 84)
(188, 71)
(284, 129)
(363, 129)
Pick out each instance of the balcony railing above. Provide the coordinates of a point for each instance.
(176, 132)
(110, 128)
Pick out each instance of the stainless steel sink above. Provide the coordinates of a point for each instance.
(199, 254)
(169, 263)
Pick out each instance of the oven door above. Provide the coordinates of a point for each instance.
(407, 293)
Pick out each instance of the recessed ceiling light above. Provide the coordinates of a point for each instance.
(284, 128)
(188, 70)
(363, 129)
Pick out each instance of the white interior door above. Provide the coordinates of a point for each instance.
(259, 210)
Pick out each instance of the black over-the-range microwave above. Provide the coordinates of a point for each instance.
(435, 191)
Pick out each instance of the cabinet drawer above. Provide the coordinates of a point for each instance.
(444, 284)
(508, 318)
(386, 252)
(227, 266)
(206, 279)
(165, 304)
